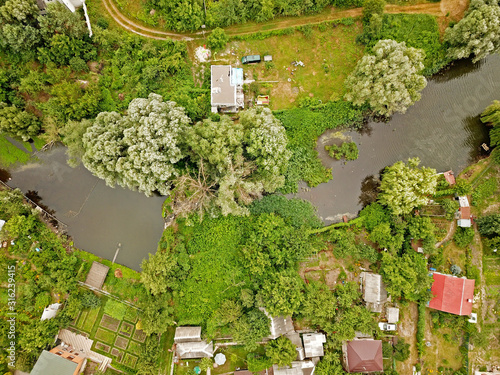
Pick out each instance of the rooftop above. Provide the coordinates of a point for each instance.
(392, 315)
(97, 275)
(313, 344)
(374, 292)
(187, 334)
(449, 177)
(198, 349)
(363, 356)
(51, 364)
(280, 325)
(222, 91)
(452, 294)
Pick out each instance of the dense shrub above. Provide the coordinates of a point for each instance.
(115, 309)
(418, 31)
(463, 236)
(421, 328)
(348, 150)
(303, 126)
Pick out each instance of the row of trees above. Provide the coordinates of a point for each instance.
(184, 15)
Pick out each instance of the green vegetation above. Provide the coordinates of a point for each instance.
(389, 80)
(10, 154)
(477, 33)
(303, 126)
(347, 150)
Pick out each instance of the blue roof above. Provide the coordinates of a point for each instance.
(237, 77)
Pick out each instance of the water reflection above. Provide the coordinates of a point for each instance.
(443, 129)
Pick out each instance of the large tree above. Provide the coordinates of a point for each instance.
(140, 149)
(240, 160)
(18, 122)
(478, 33)
(389, 80)
(406, 276)
(405, 186)
(281, 351)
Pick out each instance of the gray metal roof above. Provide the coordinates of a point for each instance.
(374, 292)
(222, 92)
(51, 364)
(392, 314)
(297, 368)
(279, 326)
(313, 344)
(187, 334)
(199, 349)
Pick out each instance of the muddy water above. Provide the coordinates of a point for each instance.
(443, 129)
(100, 219)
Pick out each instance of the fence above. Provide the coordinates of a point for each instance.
(48, 217)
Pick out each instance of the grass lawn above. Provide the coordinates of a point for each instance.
(105, 336)
(235, 358)
(452, 254)
(81, 319)
(10, 154)
(444, 350)
(329, 56)
(90, 320)
(166, 342)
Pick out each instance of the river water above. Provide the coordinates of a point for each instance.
(443, 129)
(100, 219)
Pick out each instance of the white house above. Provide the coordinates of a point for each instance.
(226, 88)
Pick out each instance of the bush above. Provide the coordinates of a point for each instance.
(421, 328)
(401, 351)
(78, 64)
(348, 150)
(463, 236)
(450, 206)
(115, 309)
(257, 363)
(90, 300)
(217, 39)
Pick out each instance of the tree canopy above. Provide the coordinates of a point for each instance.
(405, 186)
(138, 150)
(478, 33)
(389, 80)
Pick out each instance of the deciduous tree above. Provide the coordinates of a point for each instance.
(478, 33)
(139, 150)
(281, 351)
(405, 186)
(389, 80)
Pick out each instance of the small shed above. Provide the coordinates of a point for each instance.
(187, 334)
(449, 177)
(280, 325)
(374, 292)
(392, 315)
(313, 344)
(294, 337)
(2, 223)
(97, 275)
(417, 245)
(268, 58)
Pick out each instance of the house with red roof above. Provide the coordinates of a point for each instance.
(363, 356)
(452, 294)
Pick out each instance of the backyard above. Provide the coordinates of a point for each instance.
(328, 51)
(113, 337)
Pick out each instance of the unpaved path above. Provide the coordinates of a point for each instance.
(407, 329)
(449, 235)
(455, 8)
(435, 9)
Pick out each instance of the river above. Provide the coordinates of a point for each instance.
(443, 129)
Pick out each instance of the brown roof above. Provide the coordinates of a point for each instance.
(449, 177)
(465, 212)
(97, 275)
(364, 356)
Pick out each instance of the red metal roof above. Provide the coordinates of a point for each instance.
(364, 356)
(464, 212)
(452, 294)
(449, 177)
